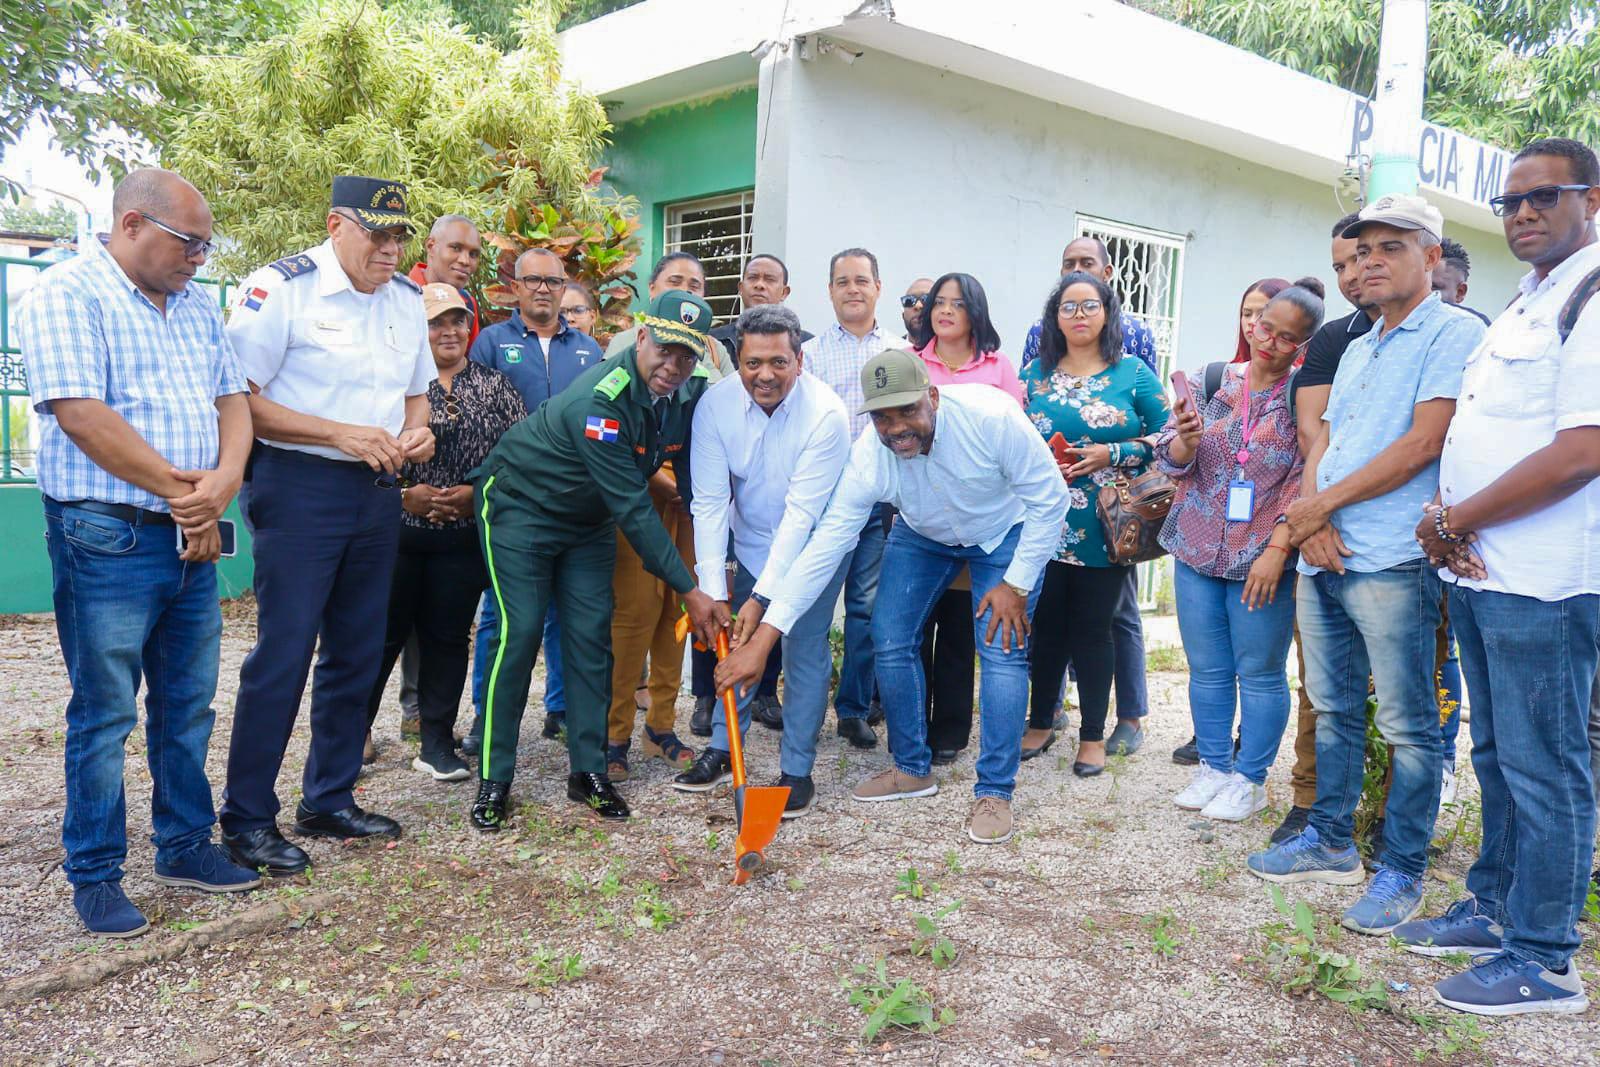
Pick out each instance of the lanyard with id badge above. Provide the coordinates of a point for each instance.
(1242, 491)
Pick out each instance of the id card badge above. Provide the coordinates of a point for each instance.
(1241, 501)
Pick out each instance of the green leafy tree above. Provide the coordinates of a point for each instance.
(58, 219)
(397, 93)
(1504, 71)
(56, 67)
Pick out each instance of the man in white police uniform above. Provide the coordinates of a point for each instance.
(335, 346)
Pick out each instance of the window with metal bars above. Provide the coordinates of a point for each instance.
(717, 229)
(1147, 274)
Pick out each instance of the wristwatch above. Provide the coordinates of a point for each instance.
(764, 601)
(1017, 589)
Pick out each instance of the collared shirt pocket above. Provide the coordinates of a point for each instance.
(1515, 375)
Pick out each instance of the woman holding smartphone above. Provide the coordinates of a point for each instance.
(1105, 407)
(1237, 466)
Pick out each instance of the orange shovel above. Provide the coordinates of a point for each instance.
(757, 810)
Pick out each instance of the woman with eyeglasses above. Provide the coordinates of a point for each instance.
(439, 574)
(1107, 409)
(1251, 304)
(579, 308)
(1237, 465)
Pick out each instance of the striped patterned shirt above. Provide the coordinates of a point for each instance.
(87, 332)
(836, 356)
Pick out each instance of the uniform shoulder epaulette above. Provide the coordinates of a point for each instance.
(612, 385)
(699, 371)
(294, 266)
(407, 282)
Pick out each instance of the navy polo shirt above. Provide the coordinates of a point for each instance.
(514, 350)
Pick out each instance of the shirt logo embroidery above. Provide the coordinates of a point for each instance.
(597, 429)
(512, 353)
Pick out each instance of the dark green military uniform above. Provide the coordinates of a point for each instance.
(549, 499)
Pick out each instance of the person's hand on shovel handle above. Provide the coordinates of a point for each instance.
(707, 617)
(743, 668)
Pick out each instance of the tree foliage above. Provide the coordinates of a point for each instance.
(1505, 71)
(56, 66)
(398, 93)
(58, 220)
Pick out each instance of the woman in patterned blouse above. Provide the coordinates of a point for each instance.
(439, 574)
(1103, 406)
(1237, 466)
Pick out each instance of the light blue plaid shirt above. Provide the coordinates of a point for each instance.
(86, 332)
(836, 356)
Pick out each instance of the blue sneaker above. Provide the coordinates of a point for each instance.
(1459, 929)
(106, 910)
(1390, 900)
(207, 867)
(1505, 985)
(1303, 858)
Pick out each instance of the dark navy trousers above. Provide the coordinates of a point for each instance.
(325, 540)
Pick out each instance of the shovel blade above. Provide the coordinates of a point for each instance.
(760, 811)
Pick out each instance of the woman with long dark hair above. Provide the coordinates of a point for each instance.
(1105, 407)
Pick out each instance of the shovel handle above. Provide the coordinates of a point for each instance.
(730, 718)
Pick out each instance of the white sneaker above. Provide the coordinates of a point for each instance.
(1205, 783)
(1447, 791)
(1239, 799)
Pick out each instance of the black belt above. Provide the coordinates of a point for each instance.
(294, 455)
(125, 512)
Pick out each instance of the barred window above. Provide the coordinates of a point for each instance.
(716, 229)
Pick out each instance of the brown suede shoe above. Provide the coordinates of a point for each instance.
(991, 821)
(893, 784)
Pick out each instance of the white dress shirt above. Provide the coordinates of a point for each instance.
(317, 345)
(836, 356)
(1521, 387)
(988, 469)
(770, 476)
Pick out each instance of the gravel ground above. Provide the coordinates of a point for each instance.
(1112, 928)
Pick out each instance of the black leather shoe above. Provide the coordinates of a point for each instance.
(700, 721)
(597, 792)
(1088, 770)
(489, 809)
(266, 850)
(1187, 754)
(874, 714)
(945, 756)
(802, 794)
(352, 822)
(472, 746)
(1297, 819)
(553, 725)
(709, 770)
(858, 733)
(768, 712)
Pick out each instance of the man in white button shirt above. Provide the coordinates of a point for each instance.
(335, 346)
(836, 356)
(976, 486)
(767, 450)
(1519, 535)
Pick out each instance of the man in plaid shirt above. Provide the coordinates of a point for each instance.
(144, 432)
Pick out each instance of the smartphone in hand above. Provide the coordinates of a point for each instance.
(225, 534)
(1185, 391)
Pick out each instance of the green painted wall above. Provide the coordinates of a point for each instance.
(25, 563)
(706, 147)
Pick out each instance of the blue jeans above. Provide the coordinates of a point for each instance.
(126, 607)
(1381, 624)
(1127, 653)
(854, 695)
(916, 571)
(488, 631)
(1530, 665)
(807, 673)
(1234, 653)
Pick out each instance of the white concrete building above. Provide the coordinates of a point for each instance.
(948, 135)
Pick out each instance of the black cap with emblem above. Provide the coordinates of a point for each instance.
(376, 203)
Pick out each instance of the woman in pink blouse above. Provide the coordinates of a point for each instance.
(1237, 466)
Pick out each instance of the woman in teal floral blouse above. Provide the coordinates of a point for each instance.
(1104, 406)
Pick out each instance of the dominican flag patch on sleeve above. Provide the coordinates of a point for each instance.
(598, 429)
(253, 299)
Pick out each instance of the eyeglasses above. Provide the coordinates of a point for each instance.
(1070, 308)
(399, 235)
(192, 246)
(542, 281)
(1285, 345)
(1543, 198)
(910, 301)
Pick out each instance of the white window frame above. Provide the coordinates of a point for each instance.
(1162, 318)
(718, 269)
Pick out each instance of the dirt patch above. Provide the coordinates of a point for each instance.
(1112, 928)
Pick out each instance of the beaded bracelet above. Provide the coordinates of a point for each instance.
(1441, 526)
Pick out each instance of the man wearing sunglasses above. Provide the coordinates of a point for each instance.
(1516, 528)
(143, 433)
(334, 343)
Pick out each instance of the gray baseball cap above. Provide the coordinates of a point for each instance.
(892, 379)
(1401, 212)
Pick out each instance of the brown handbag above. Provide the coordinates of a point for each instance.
(1132, 511)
